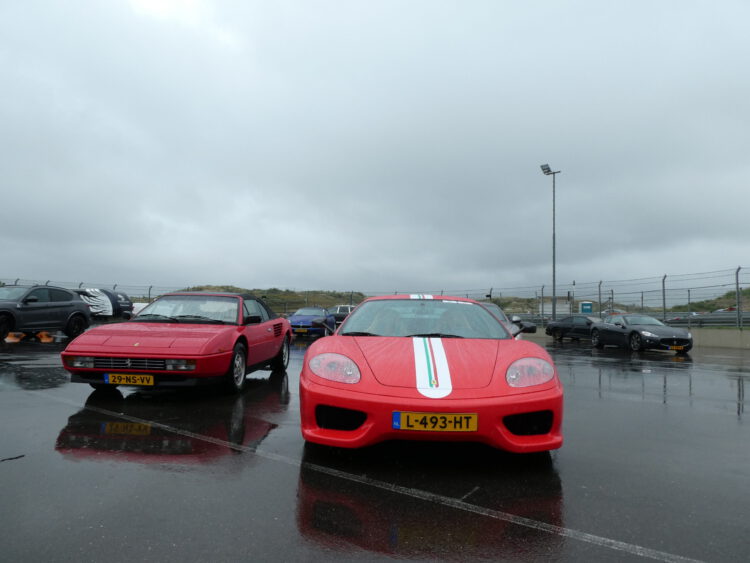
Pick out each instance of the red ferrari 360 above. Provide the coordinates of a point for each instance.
(423, 367)
(183, 339)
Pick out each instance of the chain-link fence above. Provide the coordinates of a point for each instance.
(704, 298)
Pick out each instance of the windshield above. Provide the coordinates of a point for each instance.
(423, 317)
(497, 311)
(12, 293)
(642, 320)
(311, 311)
(213, 309)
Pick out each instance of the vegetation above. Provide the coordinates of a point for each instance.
(288, 301)
(729, 299)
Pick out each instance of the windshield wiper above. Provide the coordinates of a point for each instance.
(201, 318)
(434, 335)
(156, 318)
(355, 333)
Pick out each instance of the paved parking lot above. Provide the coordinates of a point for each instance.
(656, 465)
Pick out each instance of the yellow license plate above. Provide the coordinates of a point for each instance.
(436, 421)
(300, 330)
(128, 379)
(129, 428)
(676, 347)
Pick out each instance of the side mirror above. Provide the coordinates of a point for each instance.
(31, 299)
(515, 319)
(252, 320)
(528, 328)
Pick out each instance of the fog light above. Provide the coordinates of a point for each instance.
(180, 365)
(80, 361)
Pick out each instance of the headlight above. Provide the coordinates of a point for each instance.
(648, 334)
(80, 361)
(529, 371)
(180, 365)
(335, 367)
(690, 335)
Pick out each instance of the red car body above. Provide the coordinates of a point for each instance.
(182, 350)
(429, 385)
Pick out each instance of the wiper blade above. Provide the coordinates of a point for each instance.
(355, 333)
(434, 335)
(201, 319)
(156, 318)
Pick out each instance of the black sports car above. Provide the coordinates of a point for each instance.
(640, 332)
(574, 327)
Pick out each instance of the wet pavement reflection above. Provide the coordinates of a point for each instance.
(166, 426)
(447, 486)
(655, 465)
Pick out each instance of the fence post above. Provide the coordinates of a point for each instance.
(541, 307)
(739, 299)
(600, 299)
(664, 298)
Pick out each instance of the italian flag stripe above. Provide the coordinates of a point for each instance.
(433, 376)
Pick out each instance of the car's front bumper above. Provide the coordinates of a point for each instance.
(308, 331)
(373, 417)
(208, 370)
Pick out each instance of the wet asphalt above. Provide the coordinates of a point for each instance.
(655, 466)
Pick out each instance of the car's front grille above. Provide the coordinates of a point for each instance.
(336, 418)
(151, 364)
(675, 341)
(529, 423)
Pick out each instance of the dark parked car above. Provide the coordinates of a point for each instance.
(33, 309)
(312, 321)
(574, 327)
(340, 312)
(107, 303)
(640, 332)
(515, 323)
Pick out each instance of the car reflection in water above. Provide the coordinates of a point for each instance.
(167, 426)
(431, 500)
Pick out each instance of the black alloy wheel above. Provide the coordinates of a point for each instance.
(595, 340)
(635, 342)
(5, 325)
(76, 325)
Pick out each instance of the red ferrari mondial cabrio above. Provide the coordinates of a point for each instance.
(182, 339)
(425, 367)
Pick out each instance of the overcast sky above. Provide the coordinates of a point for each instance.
(372, 145)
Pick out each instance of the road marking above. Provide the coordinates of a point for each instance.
(600, 541)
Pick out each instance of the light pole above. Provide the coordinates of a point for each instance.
(548, 172)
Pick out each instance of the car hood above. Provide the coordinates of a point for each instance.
(149, 338)
(663, 331)
(465, 363)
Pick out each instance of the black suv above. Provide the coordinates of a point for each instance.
(32, 309)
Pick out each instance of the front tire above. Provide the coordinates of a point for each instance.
(237, 369)
(635, 342)
(557, 334)
(596, 341)
(5, 326)
(76, 325)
